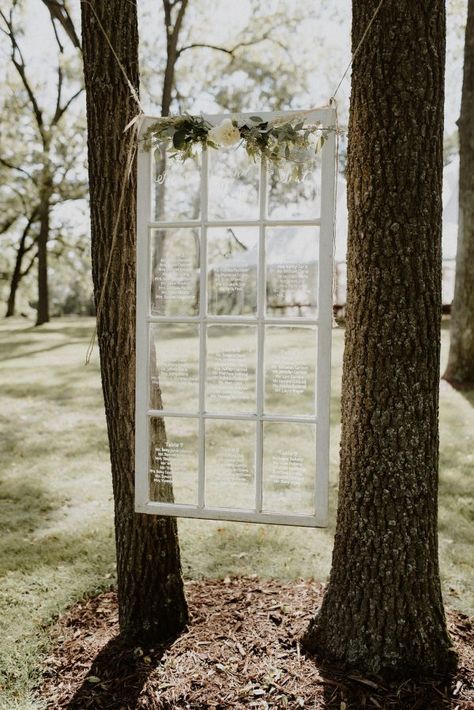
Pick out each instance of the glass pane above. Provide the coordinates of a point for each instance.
(231, 364)
(290, 370)
(174, 460)
(174, 367)
(289, 466)
(230, 464)
(232, 270)
(294, 189)
(292, 271)
(175, 272)
(233, 185)
(177, 187)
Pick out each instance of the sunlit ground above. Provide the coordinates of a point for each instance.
(55, 497)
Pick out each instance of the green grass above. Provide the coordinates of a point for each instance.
(56, 502)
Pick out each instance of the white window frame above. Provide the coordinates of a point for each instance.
(144, 319)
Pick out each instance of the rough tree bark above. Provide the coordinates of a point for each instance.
(460, 370)
(383, 610)
(152, 605)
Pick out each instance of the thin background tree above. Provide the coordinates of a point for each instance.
(460, 369)
(40, 176)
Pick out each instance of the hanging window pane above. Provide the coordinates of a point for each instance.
(292, 271)
(230, 463)
(232, 260)
(175, 268)
(174, 367)
(231, 368)
(233, 185)
(289, 461)
(174, 460)
(234, 291)
(290, 370)
(176, 193)
(294, 191)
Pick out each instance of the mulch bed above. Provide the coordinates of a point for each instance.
(241, 651)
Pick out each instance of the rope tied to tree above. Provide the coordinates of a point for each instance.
(131, 153)
(361, 42)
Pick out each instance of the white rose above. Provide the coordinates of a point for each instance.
(226, 134)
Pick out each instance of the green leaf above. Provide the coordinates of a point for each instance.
(179, 139)
(319, 143)
(257, 119)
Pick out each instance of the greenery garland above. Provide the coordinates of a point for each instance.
(278, 140)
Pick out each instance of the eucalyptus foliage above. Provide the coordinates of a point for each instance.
(281, 140)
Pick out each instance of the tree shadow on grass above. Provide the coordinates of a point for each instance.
(16, 350)
(25, 506)
(28, 509)
(117, 677)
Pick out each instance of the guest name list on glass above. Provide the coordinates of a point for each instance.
(234, 299)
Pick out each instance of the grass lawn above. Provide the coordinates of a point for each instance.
(56, 507)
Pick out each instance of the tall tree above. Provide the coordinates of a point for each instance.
(152, 605)
(460, 369)
(21, 191)
(46, 125)
(383, 611)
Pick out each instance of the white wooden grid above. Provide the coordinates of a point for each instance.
(145, 319)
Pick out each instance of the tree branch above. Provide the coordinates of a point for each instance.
(59, 91)
(7, 223)
(30, 265)
(30, 221)
(19, 63)
(226, 50)
(60, 12)
(58, 41)
(64, 108)
(11, 166)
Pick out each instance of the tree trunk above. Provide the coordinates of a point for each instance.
(173, 30)
(17, 274)
(152, 605)
(11, 302)
(460, 369)
(383, 610)
(42, 315)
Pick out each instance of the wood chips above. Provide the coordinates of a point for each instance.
(240, 651)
